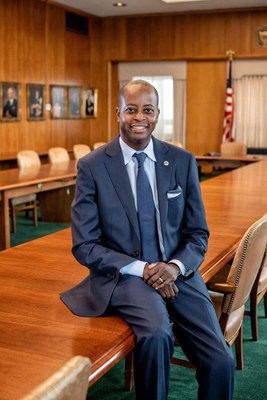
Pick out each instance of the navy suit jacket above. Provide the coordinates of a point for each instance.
(105, 227)
(11, 109)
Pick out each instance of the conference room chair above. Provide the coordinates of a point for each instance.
(258, 292)
(26, 160)
(80, 150)
(69, 383)
(230, 149)
(233, 149)
(58, 155)
(98, 144)
(229, 297)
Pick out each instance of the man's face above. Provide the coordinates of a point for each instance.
(137, 115)
(10, 94)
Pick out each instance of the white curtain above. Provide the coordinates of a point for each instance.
(179, 104)
(250, 104)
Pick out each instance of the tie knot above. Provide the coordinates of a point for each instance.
(140, 158)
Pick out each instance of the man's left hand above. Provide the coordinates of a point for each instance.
(160, 274)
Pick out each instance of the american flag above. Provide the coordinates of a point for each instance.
(229, 108)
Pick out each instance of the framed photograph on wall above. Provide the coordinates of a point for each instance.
(59, 101)
(90, 96)
(74, 102)
(35, 102)
(10, 101)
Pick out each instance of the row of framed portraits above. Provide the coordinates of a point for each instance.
(65, 102)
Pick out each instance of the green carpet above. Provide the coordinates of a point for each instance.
(251, 382)
(26, 231)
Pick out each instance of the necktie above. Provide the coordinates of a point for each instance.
(146, 214)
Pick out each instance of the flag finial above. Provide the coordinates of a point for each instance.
(230, 54)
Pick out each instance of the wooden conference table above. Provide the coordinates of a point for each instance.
(38, 333)
(219, 162)
(49, 182)
(54, 184)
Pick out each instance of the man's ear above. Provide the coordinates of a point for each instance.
(118, 113)
(158, 114)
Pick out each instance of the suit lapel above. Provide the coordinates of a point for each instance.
(119, 177)
(164, 166)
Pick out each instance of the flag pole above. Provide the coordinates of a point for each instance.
(229, 106)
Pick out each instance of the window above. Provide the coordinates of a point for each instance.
(169, 77)
(164, 85)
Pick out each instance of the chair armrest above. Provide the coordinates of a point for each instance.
(221, 287)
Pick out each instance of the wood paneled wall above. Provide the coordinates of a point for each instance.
(36, 48)
(202, 40)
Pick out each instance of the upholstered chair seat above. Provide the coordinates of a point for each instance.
(28, 160)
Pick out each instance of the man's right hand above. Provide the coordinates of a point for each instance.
(170, 291)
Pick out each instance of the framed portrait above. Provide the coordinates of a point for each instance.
(10, 101)
(74, 102)
(90, 96)
(35, 102)
(59, 101)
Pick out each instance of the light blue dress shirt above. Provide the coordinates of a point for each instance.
(137, 267)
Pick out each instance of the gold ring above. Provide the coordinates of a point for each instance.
(161, 280)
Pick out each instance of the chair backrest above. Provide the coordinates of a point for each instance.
(58, 155)
(233, 149)
(80, 150)
(28, 158)
(68, 383)
(245, 267)
(262, 284)
(246, 264)
(98, 144)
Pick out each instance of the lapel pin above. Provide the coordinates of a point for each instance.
(166, 163)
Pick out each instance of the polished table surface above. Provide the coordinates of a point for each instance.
(38, 333)
(48, 180)
(233, 201)
(23, 177)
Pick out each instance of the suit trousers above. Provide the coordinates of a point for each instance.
(192, 317)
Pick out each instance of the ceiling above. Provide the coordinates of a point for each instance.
(105, 8)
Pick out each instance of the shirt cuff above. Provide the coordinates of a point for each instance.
(135, 268)
(179, 264)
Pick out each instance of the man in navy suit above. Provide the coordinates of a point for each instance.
(10, 108)
(162, 295)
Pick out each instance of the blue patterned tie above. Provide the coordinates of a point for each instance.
(146, 214)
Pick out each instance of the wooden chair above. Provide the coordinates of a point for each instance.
(259, 291)
(229, 297)
(58, 155)
(98, 144)
(27, 160)
(80, 150)
(68, 383)
(230, 149)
